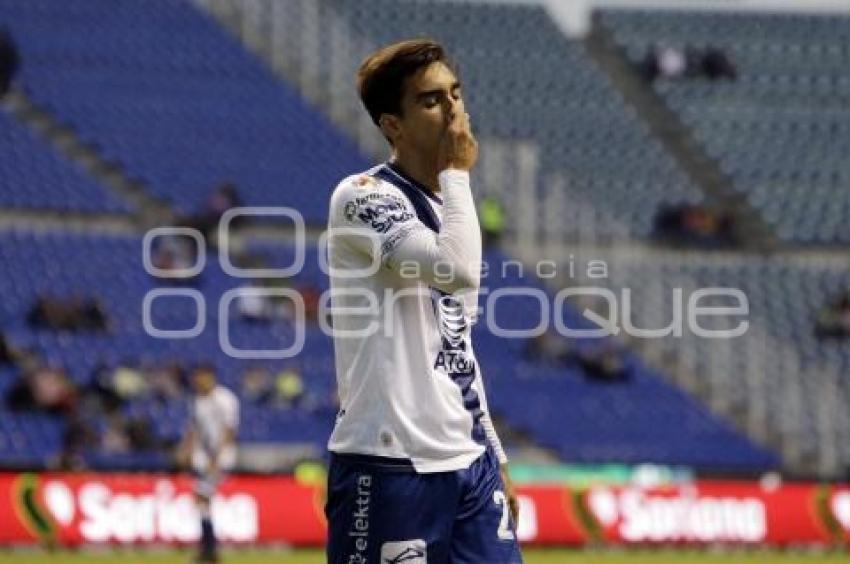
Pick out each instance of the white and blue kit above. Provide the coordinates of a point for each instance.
(213, 416)
(415, 459)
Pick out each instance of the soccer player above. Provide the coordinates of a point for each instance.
(210, 441)
(417, 472)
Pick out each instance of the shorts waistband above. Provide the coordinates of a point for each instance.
(380, 462)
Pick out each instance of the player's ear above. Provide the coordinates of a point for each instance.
(390, 126)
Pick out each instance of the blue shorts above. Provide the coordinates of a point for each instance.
(381, 511)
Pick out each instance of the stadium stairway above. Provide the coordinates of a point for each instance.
(779, 128)
(677, 139)
(161, 89)
(66, 141)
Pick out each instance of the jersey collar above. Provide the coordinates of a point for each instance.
(415, 192)
(394, 168)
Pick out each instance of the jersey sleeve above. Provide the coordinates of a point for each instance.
(372, 218)
(384, 225)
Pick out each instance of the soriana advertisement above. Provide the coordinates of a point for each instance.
(88, 508)
(71, 509)
(708, 512)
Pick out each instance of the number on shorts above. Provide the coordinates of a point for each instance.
(504, 532)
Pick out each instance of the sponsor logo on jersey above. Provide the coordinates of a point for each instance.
(393, 241)
(453, 325)
(452, 320)
(455, 357)
(377, 210)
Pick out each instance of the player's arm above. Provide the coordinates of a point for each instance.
(451, 259)
(457, 247)
(187, 445)
(496, 444)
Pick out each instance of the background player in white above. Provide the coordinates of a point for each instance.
(210, 447)
(417, 470)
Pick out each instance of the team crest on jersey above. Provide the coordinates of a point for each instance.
(350, 210)
(364, 181)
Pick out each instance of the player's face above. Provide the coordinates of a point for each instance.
(203, 382)
(431, 98)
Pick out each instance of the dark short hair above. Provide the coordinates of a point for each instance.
(203, 367)
(380, 79)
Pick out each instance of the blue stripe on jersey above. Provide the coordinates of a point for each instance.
(453, 359)
(431, 195)
(416, 193)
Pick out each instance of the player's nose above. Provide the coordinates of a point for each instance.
(452, 109)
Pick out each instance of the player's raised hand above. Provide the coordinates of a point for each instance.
(458, 147)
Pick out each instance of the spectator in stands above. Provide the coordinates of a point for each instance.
(9, 61)
(310, 295)
(491, 213)
(113, 438)
(605, 363)
(673, 63)
(253, 307)
(101, 389)
(257, 385)
(664, 62)
(128, 381)
(68, 314)
(165, 382)
(43, 388)
(547, 347)
(834, 319)
(716, 65)
(695, 225)
(173, 253)
(289, 388)
(223, 197)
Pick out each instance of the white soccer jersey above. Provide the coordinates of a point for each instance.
(405, 269)
(212, 415)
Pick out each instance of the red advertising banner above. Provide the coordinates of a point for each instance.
(839, 508)
(73, 509)
(547, 516)
(708, 512)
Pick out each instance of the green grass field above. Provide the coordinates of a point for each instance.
(531, 557)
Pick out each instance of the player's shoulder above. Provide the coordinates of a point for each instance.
(365, 191)
(225, 395)
(362, 185)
